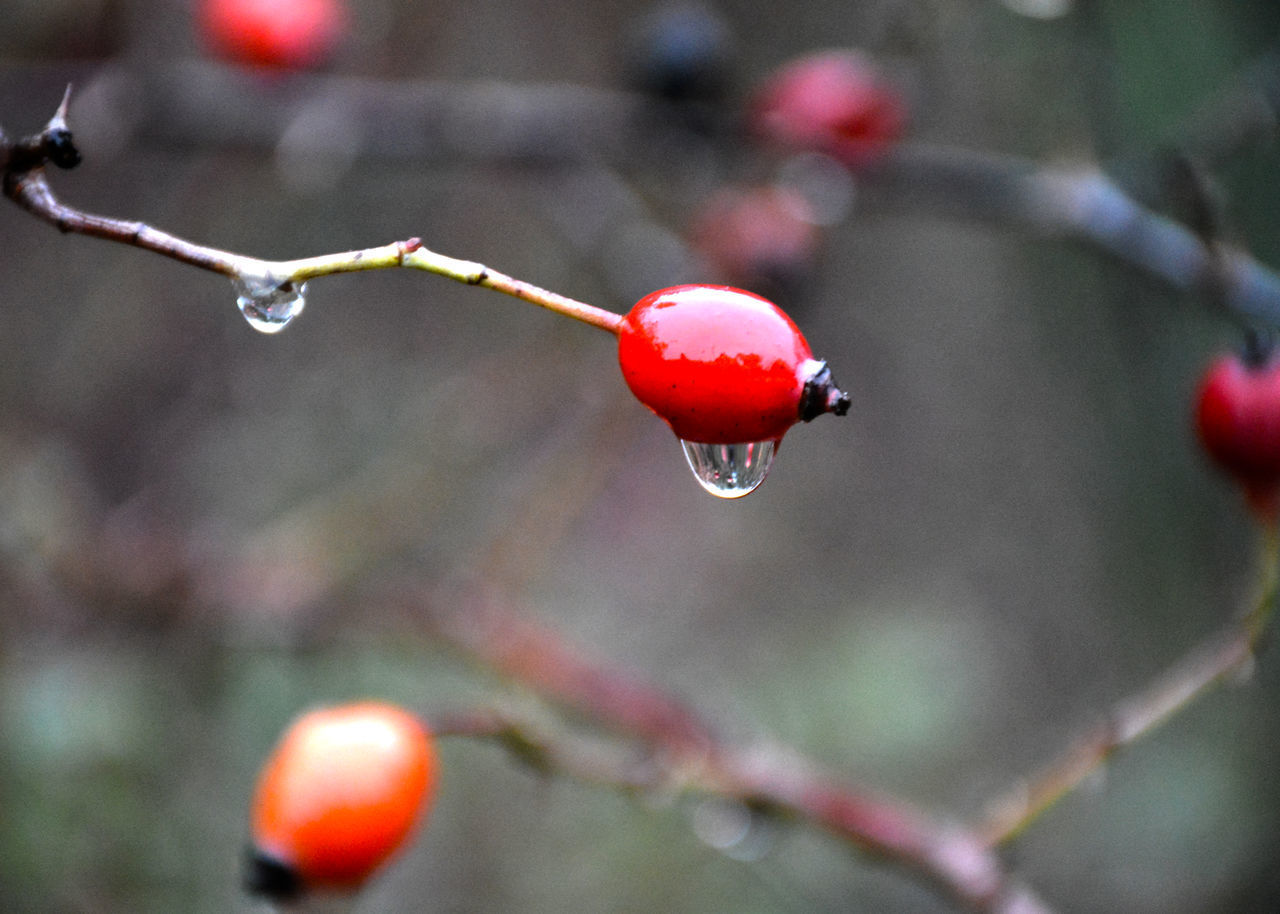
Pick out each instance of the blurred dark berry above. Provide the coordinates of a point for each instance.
(680, 53)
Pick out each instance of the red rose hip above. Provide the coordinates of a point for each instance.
(833, 102)
(1238, 421)
(729, 372)
(289, 34)
(762, 236)
(339, 796)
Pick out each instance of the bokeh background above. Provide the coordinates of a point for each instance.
(1012, 529)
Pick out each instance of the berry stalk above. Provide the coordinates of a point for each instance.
(411, 254)
(23, 161)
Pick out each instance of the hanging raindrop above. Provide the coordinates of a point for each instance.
(729, 470)
(268, 304)
(737, 830)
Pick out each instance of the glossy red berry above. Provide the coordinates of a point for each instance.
(1238, 420)
(722, 366)
(833, 102)
(290, 34)
(339, 796)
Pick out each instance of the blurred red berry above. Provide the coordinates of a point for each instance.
(833, 102)
(288, 34)
(762, 237)
(1238, 420)
(339, 796)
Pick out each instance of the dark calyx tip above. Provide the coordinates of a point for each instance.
(267, 877)
(60, 148)
(820, 395)
(1259, 347)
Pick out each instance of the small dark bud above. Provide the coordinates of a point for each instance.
(267, 877)
(680, 53)
(1259, 347)
(60, 149)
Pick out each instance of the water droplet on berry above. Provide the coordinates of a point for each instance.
(729, 470)
(268, 304)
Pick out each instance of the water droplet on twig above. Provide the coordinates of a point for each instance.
(736, 830)
(268, 304)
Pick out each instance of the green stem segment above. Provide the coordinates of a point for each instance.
(31, 190)
(413, 255)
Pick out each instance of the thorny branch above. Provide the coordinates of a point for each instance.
(1078, 203)
(1210, 662)
(682, 754)
(26, 184)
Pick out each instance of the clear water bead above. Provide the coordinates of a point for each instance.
(268, 304)
(733, 828)
(729, 470)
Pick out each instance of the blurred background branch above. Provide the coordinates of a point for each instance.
(194, 520)
(1081, 203)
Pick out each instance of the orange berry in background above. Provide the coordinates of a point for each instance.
(339, 796)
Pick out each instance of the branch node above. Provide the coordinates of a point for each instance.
(60, 149)
(52, 144)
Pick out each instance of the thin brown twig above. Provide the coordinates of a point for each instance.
(25, 182)
(32, 192)
(683, 754)
(1212, 661)
(1082, 203)
(549, 754)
